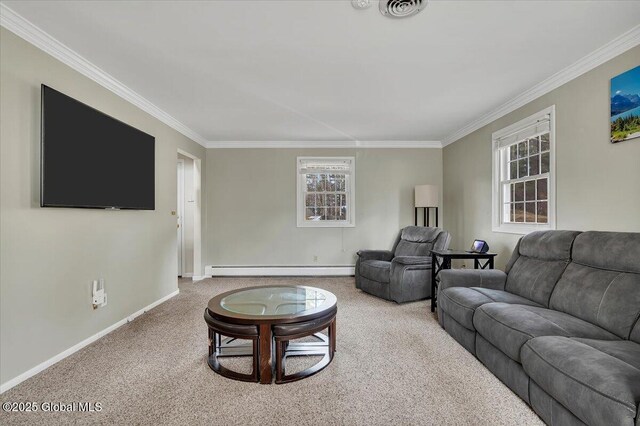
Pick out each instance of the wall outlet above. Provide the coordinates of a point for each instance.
(98, 294)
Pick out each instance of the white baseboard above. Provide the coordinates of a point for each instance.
(198, 277)
(187, 275)
(266, 271)
(75, 348)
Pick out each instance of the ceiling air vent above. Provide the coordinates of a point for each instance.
(401, 8)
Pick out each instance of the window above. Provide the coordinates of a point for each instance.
(326, 191)
(524, 175)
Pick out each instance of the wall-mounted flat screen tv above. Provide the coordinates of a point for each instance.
(92, 160)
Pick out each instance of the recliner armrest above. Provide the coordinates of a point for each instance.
(413, 260)
(385, 255)
(487, 278)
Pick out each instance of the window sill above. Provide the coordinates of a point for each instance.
(326, 225)
(521, 229)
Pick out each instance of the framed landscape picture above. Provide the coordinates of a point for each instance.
(625, 106)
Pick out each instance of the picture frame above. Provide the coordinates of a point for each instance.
(625, 106)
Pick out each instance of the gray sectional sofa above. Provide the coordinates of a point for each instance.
(402, 274)
(560, 326)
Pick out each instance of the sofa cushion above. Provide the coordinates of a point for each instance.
(376, 270)
(601, 284)
(624, 350)
(542, 258)
(460, 302)
(508, 327)
(548, 245)
(596, 386)
(616, 251)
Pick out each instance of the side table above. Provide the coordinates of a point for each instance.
(441, 259)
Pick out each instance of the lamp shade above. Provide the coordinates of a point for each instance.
(426, 196)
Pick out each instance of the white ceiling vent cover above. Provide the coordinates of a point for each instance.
(401, 8)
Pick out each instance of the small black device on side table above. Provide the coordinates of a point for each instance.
(480, 261)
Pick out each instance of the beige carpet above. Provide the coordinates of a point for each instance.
(394, 365)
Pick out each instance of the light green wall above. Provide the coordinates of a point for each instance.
(251, 205)
(48, 256)
(598, 183)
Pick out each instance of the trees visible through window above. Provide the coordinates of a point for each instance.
(325, 191)
(523, 178)
(527, 184)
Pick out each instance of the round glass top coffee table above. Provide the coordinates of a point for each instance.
(271, 317)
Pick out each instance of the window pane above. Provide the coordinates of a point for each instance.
(534, 146)
(519, 212)
(542, 212)
(331, 200)
(513, 170)
(331, 183)
(519, 192)
(522, 168)
(530, 212)
(310, 200)
(534, 165)
(513, 152)
(513, 212)
(331, 213)
(522, 149)
(340, 184)
(321, 200)
(342, 213)
(544, 166)
(312, 214)
(530, 190)
(323, 213)
(343, 200)
(322, 180)
(312, 183)
(542, 189)
(544, 142)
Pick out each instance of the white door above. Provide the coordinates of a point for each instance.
(180, 206)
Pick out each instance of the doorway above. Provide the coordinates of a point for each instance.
(180, 217)
(188, 214)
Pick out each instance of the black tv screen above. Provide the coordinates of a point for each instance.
(91, 160)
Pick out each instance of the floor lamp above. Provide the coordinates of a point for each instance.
(426, 197)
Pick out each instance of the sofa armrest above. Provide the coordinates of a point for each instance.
(487, 278)
(412, 260)
(385, 255)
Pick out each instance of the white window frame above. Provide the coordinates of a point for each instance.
(351, 195)
(499, 167)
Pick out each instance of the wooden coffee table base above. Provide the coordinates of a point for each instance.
(231, 318)
(261, 349)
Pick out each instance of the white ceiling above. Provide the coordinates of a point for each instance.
(320, 70)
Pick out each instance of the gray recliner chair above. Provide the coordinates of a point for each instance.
(402, 274)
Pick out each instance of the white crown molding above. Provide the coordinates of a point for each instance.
(278, 271)
(75, 348)
(18, 25)
(599, 56)
(323, 144)
(15, 23)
